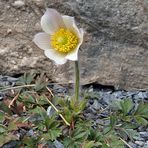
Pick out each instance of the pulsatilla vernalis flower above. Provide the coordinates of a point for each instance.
(61, 38)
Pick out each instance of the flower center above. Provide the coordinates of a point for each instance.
(64, 40)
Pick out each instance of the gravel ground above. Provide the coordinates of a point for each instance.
(105, 99)
(102, 99)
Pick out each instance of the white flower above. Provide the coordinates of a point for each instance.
(61, 38)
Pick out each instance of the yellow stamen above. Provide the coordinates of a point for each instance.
(64, 40)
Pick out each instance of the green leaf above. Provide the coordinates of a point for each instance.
(140, 120)
(2, 128)
(142, 109)
(95, 135)
(80, 135)
(113, 120)
(88, 144)
(40, 86)
(42, 101)
(39, 110)
(5, 108)
(132, 133)
(107, 129)
(12, 126)
(115, 105)
(126, 105)
(88, 95)
(110, 127)
(2, 117)
(27, 99)
(52, 134)
(70, 143)
(30, 142)
(105, 146)
(62, 102)
(67, 114)
(5, 138)
(128, 133)
(113, 141)
(26, 79)
(77, 106)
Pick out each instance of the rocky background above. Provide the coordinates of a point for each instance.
(114, 51)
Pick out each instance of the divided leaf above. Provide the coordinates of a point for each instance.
(126, 106)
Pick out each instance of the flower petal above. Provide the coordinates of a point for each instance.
(55, 56)
(51, 21)
(42, 40)
(70, 24)
(74, 54)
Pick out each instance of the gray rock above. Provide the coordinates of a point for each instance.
(2, 95)
(10, 144)
(146, 145)
(130, 94)
(133, 145)
(144, 135)
(7, 81)
(50, 111)
(115, 44)
(119, 94)
(58, 144)
(141, 95)
(96, 105)
(145, 95)
(18, 3)
(140, 143)
(138, 138)
(59, 89)
(30, 133)
(91, 101)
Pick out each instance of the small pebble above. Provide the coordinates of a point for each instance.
(144, 135)
(50, 111)
(140, 143)
(9, 31)
(133, 145)
(58, 144)
(138, 138)
(19, 3)
(30, 132)
(39, 2)
(146, 145)
(10, 144)
(91, 101)
(2, 95)
(96, 105)
(59, 89)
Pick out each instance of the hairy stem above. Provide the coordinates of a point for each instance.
(77, 80)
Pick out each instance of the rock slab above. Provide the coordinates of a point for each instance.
(115, 47)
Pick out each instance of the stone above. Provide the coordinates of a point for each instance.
(30, 133)
(18, 3)
(10, 144)
(58, 144)
(140, 143)
(7, 81)
(2, 95)
(96, 105)
(145, 145)
(144, 135)
(114, 50)
(91, 101)
(133, 145)
(50, 111)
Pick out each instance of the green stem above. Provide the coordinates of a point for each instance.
(77, 80)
